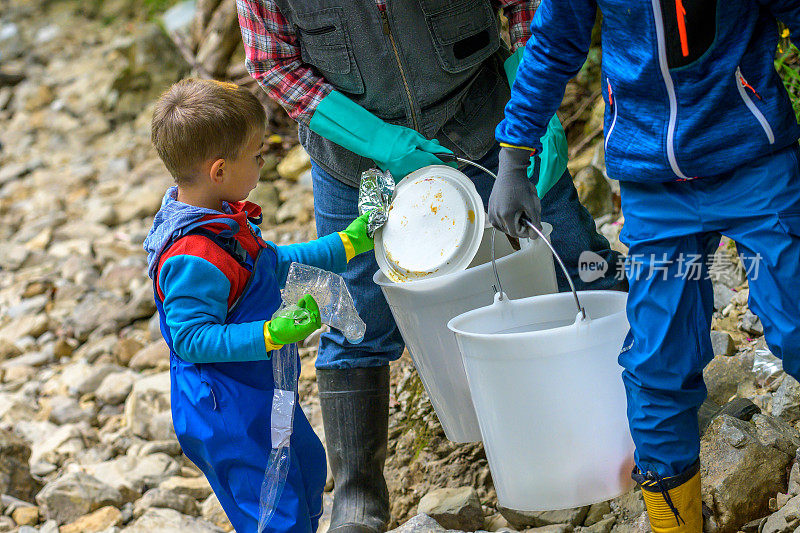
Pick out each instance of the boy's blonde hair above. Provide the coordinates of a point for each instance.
(198, 120)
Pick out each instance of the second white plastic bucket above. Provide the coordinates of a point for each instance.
(549, 397)
(421, 309)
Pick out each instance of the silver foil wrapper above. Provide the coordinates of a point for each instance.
(375, 196)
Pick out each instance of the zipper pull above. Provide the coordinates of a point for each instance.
(680, 13)
(748, 86)
(610, 93)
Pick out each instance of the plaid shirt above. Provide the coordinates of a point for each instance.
(273, 52)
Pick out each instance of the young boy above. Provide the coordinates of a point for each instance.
(216, 285)
(701, 134)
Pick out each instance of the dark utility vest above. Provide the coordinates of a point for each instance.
(432, 65)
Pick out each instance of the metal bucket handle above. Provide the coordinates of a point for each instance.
(499, 289)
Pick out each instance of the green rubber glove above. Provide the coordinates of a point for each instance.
(295, 326)
(553, 158)
(355, 237)
(397, 149)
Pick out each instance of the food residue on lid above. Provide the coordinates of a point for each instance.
(471, 216)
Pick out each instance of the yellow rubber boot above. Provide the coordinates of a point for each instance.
(674, 504)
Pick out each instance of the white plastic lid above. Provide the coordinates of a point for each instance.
(434, 227)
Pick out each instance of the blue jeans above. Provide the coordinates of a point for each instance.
(668, 227)
(336, 205)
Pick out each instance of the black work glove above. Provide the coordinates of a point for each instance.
(514, 196)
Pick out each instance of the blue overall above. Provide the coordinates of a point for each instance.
(221, 413)
(671, 300)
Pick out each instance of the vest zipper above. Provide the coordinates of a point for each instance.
(741, 84)
(673, 102)
(387, 30)
(614, 107)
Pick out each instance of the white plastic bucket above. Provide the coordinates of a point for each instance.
(549, 397)
(421, 309)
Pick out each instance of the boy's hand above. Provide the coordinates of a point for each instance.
(293, 327)
(355, 237)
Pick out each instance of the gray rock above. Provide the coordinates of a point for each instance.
(154, 355)
(726, 268)
(15, 476)
(91, 379)
(73, 495)
(169, 521)
(133, 475)
(786, 400)
(553, 528)
(794, 482)
(603, 526)
(165, 499)
(629, 505)
(7, 524)
(596, 513)
(147, 409)
(212, 511)
(196, 487)
(169, 447)
(751, 324)
(457, 508)
(26, 325)
(776, 433)
(722, 296)
(115, 387)
(739, 473)
(65, 410)
(785, 520)
(12, 255)
(527, 519)
(724, 374)
(722, 343)
(294, 163)
(64, 442)
(421, 523)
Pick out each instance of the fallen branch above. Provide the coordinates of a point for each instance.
(585, 141)
(576, 115)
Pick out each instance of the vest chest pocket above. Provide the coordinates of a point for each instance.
(325, 44)
(464, 32)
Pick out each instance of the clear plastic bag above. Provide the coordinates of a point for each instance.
(375, 196)
(767, 368)
(285, 374)
(330, 292)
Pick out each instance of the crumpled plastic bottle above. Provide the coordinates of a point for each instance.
(330, 292)
(284, 397)
(767, 368)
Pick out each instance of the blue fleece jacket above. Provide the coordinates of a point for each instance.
(690, 87)
(196, 291)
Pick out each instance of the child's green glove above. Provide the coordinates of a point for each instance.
(293, 327)
(355, 237)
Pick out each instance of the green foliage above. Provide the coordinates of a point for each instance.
(417, 409)
(156, 7)
(787, 63)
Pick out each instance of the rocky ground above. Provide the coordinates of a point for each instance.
(86, 442)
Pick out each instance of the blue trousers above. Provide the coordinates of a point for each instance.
(336, 205)
(670, 303)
